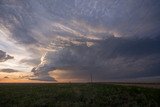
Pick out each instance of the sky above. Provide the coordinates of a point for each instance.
(70, 40)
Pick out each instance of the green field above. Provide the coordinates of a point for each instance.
(77, 95)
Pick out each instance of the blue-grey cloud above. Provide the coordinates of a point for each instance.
(4, 56)
(113, 58)
(131, 18)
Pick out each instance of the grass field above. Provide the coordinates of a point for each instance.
(77, 95)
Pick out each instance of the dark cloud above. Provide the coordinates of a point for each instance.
(43, 78)
(113, 58)
(8, 70)
(4, 56)
(103, 37)
(6, 77)
(126, 47)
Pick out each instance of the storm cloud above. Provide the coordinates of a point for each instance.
(112, 39)
(112, 58)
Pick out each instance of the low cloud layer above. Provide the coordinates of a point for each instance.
(8, 70)
(4, 57)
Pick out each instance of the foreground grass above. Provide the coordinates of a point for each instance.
(68, 95)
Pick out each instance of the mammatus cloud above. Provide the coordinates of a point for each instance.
(4, 56)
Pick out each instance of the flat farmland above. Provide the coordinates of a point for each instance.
(79, 95)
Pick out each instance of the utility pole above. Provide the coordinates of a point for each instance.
(91, 76)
